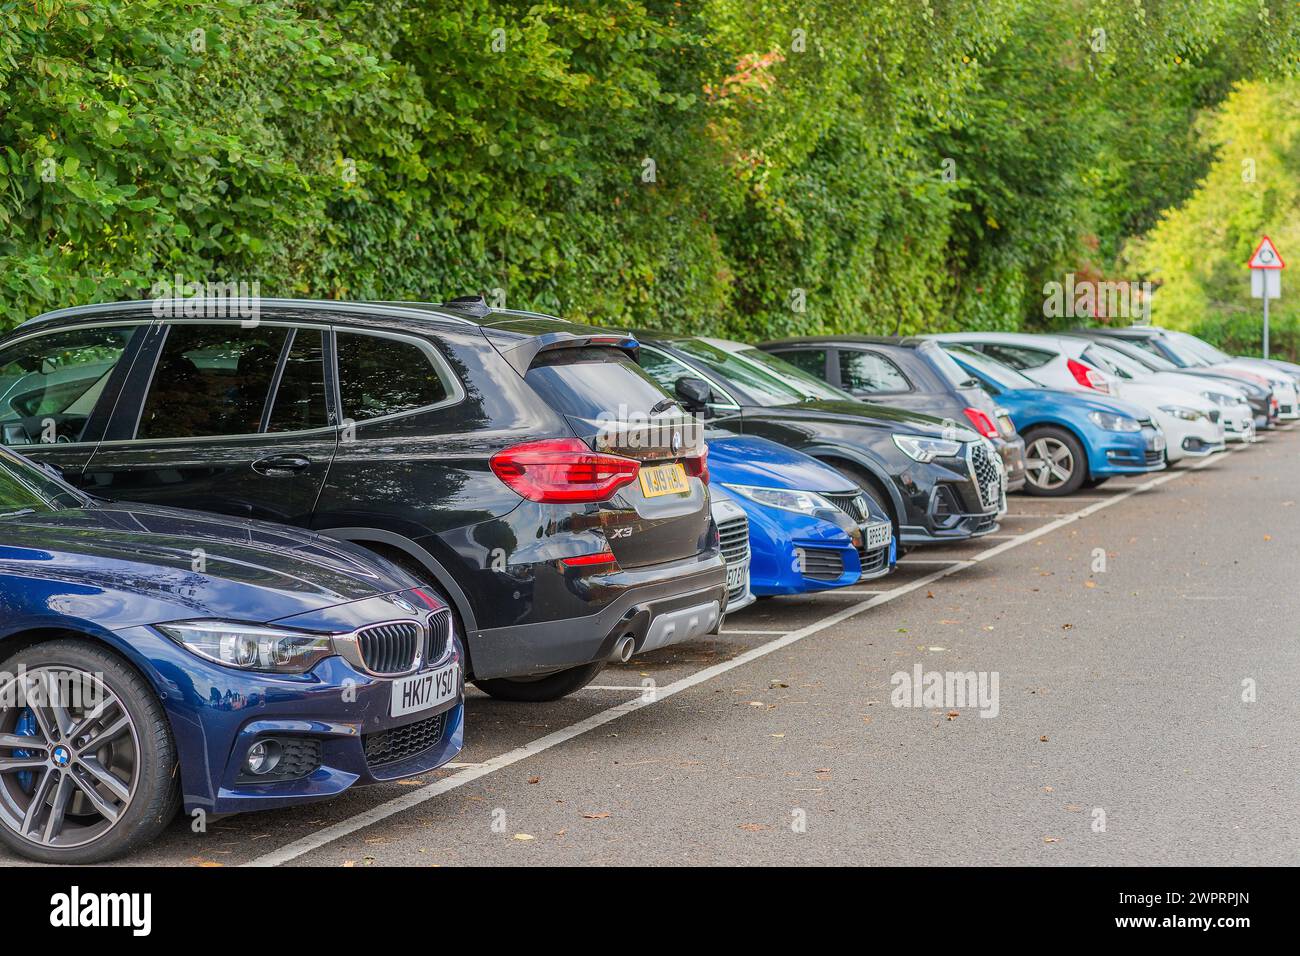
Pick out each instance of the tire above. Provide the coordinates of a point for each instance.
(551, 687)
(135, 747)
(1067, 457)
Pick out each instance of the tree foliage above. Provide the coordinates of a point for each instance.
(752, 167)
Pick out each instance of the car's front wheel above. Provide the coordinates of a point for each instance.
(1055, 462)
(87, 760)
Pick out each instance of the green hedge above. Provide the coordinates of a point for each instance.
(749, 168)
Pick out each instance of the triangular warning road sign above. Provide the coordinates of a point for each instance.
(1266, 256)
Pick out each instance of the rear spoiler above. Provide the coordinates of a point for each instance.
(521, 353)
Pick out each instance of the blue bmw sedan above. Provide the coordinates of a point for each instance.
(153, 658)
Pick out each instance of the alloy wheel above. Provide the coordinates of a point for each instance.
(1049, 463)
(69, 756)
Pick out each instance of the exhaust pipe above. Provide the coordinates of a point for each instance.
(623, 648)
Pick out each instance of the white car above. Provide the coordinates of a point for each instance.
(733, 528)
(1233, 409)
(1191, 423)
(1282, 382)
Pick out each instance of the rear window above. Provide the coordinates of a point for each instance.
(953, 374)
(592, 382)
(1017, 356)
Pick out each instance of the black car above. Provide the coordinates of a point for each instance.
(937, 482)
(524, 467)
(911, 373)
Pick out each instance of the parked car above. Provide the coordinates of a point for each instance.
(1187, 351)
(936, 482)
(523, 467)
(1259, 397)
(907, 372)
(1229, 401)
(1191, 425)
(1073, 439)
(733, 535)
(810, 529)
(154, 658)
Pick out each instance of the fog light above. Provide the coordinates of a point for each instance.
(263, 757)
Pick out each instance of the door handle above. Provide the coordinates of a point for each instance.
(281, 465)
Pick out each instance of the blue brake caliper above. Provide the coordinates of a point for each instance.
(26, 728)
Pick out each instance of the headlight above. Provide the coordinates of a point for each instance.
(251, 647)
(804, 502)
(920, 448)
(1183, 412)
(1113, 422)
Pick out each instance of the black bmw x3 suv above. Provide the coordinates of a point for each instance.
(937, 481)
(525, 467)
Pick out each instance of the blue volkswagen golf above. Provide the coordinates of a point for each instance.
(1072, 439)
(153, 658)
(809, 528)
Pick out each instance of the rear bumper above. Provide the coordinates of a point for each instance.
(689, 596)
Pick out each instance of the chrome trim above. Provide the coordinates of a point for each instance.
(348, 646)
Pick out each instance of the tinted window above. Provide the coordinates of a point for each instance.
(593, 382)
(1017, 356)
(811, 361)
(940, 360)
(49, 385)
(767, 379)
(870, 372)
(300, 398)
(381, 376)
(25, 488)
(211, 380)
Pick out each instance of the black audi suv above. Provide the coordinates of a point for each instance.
(908, 372)
(937, 481)
(524, 467)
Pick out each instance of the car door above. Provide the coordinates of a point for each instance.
(871, 375)
(58, 387)
(223, 417)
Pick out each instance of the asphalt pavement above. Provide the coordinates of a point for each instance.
(1114, 678)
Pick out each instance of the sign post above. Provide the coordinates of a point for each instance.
(1266, 267)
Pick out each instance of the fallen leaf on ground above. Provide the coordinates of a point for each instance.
(1043, 739)
(524, 836)
(952, 715)
(754, 827)
(604, 814)
(534, 779)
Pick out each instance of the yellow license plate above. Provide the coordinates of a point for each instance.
(664, 480)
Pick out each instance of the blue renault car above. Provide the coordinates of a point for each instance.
(152, 658)
(809, 528)
(1072, 440)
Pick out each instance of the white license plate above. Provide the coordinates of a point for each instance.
(424, 691)
(735, 576)
(879, 535)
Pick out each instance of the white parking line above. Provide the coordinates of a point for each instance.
(469, 774)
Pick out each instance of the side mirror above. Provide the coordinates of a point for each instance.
(694, 393)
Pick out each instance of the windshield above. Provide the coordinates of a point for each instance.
(767, 379)
(1003, 376)
(1198, 347)
(1148, 360)
(1114, 362)
(26, 489)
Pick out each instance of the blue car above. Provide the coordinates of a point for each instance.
(809, 528)
(152, 658)
(1072, 439)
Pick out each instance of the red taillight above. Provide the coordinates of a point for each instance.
(1087, 376)
(698, 466)
(983, 424)
(586, 560)
(559, 470)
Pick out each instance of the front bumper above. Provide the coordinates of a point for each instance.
(217, 713)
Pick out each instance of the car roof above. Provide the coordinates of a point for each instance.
(471, 311)
(850, 338)
(1061, 343)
